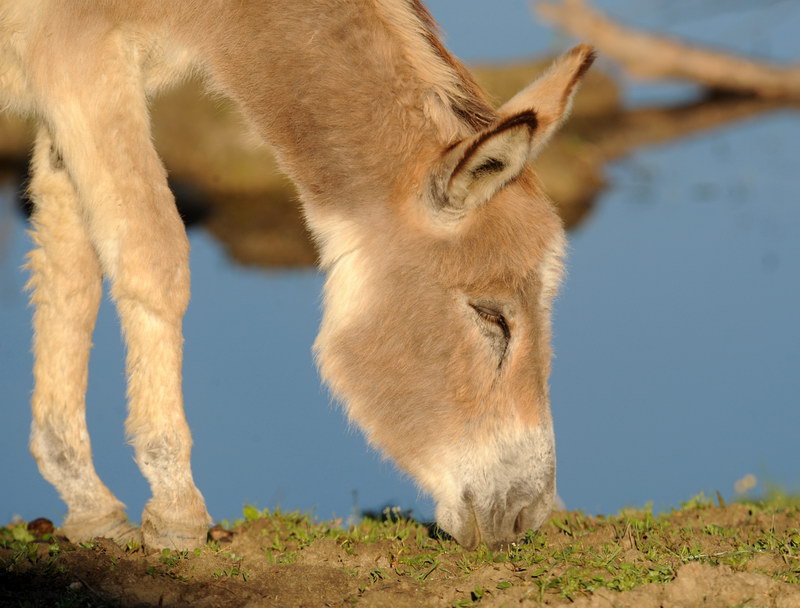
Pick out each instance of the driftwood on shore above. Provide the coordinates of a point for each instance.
(654, 57)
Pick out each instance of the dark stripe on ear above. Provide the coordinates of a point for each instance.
(527, 118)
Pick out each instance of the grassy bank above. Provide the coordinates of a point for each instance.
(746, 554)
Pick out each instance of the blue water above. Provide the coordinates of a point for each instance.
(677, 333)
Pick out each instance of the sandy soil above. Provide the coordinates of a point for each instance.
(732, 556)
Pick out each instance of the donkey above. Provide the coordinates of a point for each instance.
(441, 250)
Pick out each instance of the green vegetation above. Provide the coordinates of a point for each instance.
(572, 556)
(575, 554)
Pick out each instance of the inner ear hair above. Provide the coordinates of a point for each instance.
(527, 118)
(490, 165)
(474, 170)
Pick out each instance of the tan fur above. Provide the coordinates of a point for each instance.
(442, 252)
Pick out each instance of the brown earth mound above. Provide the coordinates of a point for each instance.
(728, 556)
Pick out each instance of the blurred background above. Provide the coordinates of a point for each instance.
(677, 333)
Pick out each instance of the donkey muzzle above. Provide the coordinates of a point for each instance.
(496, 491)
(496, 520)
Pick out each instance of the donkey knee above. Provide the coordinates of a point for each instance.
(152, 272)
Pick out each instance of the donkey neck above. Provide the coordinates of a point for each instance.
(349, 93)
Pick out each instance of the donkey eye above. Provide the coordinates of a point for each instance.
(493, 316)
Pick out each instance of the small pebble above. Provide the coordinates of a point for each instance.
(40, 526)
(220, 534)
(75, 586)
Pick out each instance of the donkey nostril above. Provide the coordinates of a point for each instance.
(518, 529)
(519, 522)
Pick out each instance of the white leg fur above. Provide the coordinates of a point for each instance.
(97, 111)
(66, 286)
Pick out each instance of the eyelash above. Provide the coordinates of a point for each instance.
(493, 317)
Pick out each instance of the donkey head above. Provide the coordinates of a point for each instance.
(436, 332)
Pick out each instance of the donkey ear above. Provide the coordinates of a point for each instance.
(476, 168)
(551, 95)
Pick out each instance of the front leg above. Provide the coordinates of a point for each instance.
(93, 99)
(66, 285)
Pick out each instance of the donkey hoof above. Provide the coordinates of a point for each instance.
(173, 535)
(160, 533)
(114, 525)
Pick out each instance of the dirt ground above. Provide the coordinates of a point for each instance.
(701, 555)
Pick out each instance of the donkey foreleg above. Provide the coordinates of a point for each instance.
(143, 250)
(66, 286)
(96, 107)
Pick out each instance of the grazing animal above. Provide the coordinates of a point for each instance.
(442, 253)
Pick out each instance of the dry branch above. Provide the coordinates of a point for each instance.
(651, 56)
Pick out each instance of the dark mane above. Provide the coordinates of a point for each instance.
(471, 106)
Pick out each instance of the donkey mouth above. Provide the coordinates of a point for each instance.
(497, 524)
